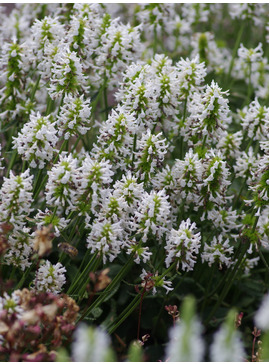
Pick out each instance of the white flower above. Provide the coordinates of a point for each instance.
(229, 144)
(139, 252)
(116, 137)
(130, 190)
(165, 78)
(182, 245)
(250, 11)
(93, 178)
(191, 76)
(46, 31)
(61, 186)
(249, 263)
(218, 251)
(246, 164)
(14, 66)
(11, 304)
(164, 179)
(250, 55)
(113, 208)
(224, 218)
(36, 141)
(151, 150)
(209, 114)
(187, 175)
(263, 227)
(118, 46)
(74, 116)
(16, 199)
(195, 12)
(82, 35)
(67, 74)
(50, 278)
(47, 217)
(137, 95)
(109, 46)
(216, 58)
(227, 345)
(152, 215)
(20, 249)
(153, 281)
(261, 177)
(105, 237)
(1, 159)
(215, 177)
(90, 345)
(185, 341)
(255, 119)
(262, 315)
(155, 17)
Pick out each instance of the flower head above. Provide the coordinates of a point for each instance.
(20, 249)
(87, 343)
(262, 315)
(218, 251)
(37, 139)
(227, 344)
(50, 278)
(16, 199)
(151, 150)
(182, 245)
(11, 304)
(67, 74)
(74, 117)
(115, 139)
(61, 186)
(106, 237)
(152, 215)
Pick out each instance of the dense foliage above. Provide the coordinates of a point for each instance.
(134, 182)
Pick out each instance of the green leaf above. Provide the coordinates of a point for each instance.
(111, 293)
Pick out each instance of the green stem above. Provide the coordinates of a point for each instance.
(87, 278)
(155, 42)
(74, 228)
(23, 166)
(12, 161)
(183, 122)
(125, 314)
(36, 183)
(12, 272)
(105, 97)
(249, 85)
(264, 261)
(49, 106)
(238, 39)
(230, 277)
(208, 285)
(75, 284)
(23, 278)
(35, 88)
(42, 184)
(204, 141)
(135, 302)
(239, 193)
(134, 149)
(121, 274)
(75, 145)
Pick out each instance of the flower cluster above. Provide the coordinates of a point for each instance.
(134, 153)
(36, 141)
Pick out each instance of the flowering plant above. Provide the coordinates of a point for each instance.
(134, 182)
